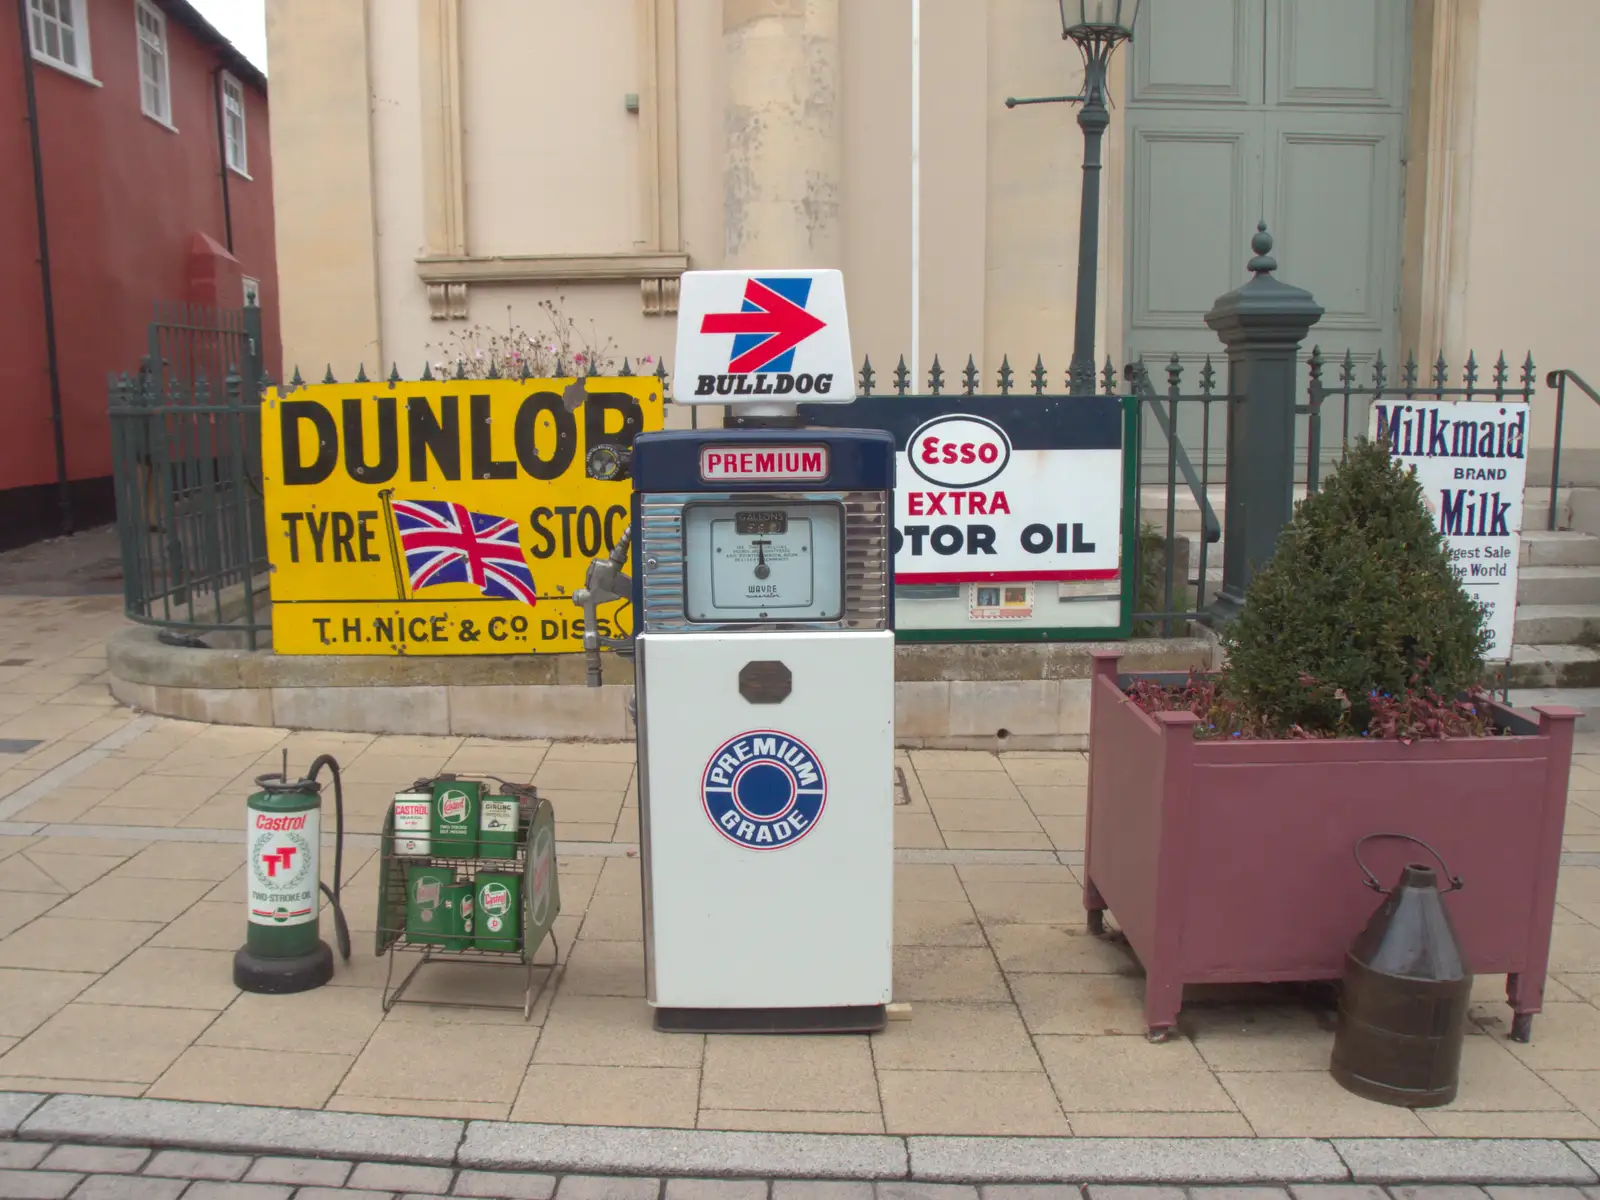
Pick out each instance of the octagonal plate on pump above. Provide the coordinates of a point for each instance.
(765, 682)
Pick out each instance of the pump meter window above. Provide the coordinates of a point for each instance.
(763, 561)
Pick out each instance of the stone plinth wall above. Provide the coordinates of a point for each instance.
(953, 696)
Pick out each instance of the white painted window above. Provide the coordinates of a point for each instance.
(59, 31)
(233, 124)
(155, 83)
(252, 292)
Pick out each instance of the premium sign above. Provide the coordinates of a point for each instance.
(770, 335)
(451, 517)
(764, 464)
(1471, 459)
(973, 504)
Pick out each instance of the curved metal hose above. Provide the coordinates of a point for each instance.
(341, 927)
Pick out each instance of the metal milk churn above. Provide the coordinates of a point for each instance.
(1403, 1010)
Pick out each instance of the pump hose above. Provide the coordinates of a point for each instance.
(341, 928)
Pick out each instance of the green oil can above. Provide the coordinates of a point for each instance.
(426, 918)
(498, 910)
(458, 917)
(497, 828)
(455, 817)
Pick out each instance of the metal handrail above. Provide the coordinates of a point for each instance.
(1558, 381)
(1139, 375)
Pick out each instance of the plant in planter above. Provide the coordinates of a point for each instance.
(1223, 810)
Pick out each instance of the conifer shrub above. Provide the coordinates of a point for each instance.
(1357, 626)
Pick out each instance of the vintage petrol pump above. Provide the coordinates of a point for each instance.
(764, 673)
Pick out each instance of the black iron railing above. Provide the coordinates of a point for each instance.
(186, 460)
(1559, 380)
(1169, 561)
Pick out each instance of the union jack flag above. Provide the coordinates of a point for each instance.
(444, 542)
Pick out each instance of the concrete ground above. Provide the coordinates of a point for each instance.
(121, 890)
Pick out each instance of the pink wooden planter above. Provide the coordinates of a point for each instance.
(1231, 861)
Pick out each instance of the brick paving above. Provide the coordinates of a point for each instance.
(107, 1173)
(120, 908)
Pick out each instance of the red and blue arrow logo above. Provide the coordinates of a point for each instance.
(770, 323)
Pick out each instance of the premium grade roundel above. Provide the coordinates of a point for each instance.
(764, 789)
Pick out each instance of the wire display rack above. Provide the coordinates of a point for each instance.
(533, 861)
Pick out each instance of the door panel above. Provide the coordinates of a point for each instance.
(1336, 53)
(1335, 201)
(1198, 51)
(1194, 182)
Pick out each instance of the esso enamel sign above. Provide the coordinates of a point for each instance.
(1009, 492)
(959, 451)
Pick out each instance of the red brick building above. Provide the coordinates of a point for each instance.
(134, 167)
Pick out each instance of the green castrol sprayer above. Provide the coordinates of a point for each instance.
(283, 950)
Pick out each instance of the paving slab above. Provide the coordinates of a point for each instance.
(130, 1187)
(426, 1140)
(37, 1185)
(505, 1185)
(505, 1146)
(1462, 1160)
(1126, 1160)
(301, 1172)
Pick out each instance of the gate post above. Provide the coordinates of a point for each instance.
(1262, 324)
(254, 367)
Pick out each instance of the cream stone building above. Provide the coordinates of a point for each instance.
(1425, 165)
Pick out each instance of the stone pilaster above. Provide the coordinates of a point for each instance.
(781, 115)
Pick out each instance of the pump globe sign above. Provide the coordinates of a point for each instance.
(442, 517)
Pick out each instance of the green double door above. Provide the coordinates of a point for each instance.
(1292, 111)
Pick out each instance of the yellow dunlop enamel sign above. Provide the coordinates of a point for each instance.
(452, 517)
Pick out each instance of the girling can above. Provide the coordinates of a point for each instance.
(497, 828)
(413, 824)
(497, 911)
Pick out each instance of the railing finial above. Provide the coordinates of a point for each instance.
(1263, 263)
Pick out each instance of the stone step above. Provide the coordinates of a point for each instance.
(1585, 698)
(1576, 509)
(1547, 666)
(1563, 548)
(1558, 585)
(1551, 624)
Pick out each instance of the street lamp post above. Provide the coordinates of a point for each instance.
(1098, 27)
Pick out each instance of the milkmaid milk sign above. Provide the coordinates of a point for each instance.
(1471, 459)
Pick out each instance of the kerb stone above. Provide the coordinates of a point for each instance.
(1463, 1160)
(14, 1108)
(501, 1145)
(1125, 1160)
(236, 1127)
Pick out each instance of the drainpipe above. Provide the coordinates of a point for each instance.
(63, 484)
(222, 159)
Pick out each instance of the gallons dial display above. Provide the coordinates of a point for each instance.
(762, 561)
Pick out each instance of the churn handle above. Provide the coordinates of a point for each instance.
(1372, 880)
